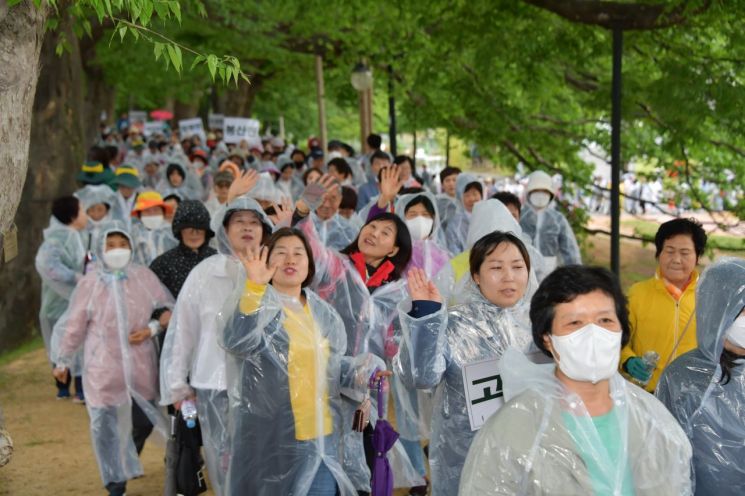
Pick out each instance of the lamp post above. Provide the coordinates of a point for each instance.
(391, 112)
(362, 81)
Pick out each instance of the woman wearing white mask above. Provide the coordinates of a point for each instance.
(705, 388)
(438, 346)
(153, 236)
(577, 427)
(547, 227)
(109, 317)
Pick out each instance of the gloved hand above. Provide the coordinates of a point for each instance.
(636, 367)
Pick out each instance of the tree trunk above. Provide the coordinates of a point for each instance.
(99, 95)
(21, 35)
(57, 148)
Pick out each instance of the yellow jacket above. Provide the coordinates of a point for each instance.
(657, 321)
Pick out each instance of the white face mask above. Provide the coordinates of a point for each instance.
(419, 227)
(152, 221)
(736, 332)
(539, 199)
(589, 354)
(117, 258)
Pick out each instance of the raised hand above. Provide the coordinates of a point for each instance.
(421, 288)
(390, 184)
(283, 213)
(255, 263)
(313, 193)
(243, 184)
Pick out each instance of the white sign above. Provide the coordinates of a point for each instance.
(482, 386)
(236, 129)
(189, 127)
(137, 116)
(216, 121)
(153, 127)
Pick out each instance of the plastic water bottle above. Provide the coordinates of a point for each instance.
(650, 359)
(189, 412)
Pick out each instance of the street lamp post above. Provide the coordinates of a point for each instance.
(362, 81)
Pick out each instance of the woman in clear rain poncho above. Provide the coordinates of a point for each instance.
(109, 317)
(286, 371)
(60, 264)
(192, 364)
(364, 284)
(468, 191)
(97, 201)
(488, 216)
(547, 227)
(181, 181)
(705, 388)
(152, 235)
(577, 427)
(440, 346)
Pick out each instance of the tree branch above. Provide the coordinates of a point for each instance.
(624, 15)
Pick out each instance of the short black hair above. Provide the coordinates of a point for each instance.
(374, 141)
(379, 155)
(563, 285)
(421, 200)
(400, 159)
(65, 209)
(474, 185)
(174, 167)
(287, 166)
(341, 166)
(507, 199)
(690, 227)
(348, 198)
(447, 172)
(287, 232)
(403, 241)
(487, 244)
(296, 151)
(173, 196)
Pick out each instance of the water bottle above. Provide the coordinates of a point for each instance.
(650, 359)
(189, 412)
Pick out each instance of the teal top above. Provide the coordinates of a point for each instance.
(604, 460)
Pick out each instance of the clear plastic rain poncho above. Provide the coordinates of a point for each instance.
(368, 318)
(192, 360)
(287, 370)
(551, 234)
(543, 441)
(488, 216)
(190, 189)
(266, 190)
(413, 407)
(435, 350)
(95, 195)
(712, 413)
(457, 226)
(151, 243)
(447, 206)
(336, 233)
(105, 308)
(59, 263)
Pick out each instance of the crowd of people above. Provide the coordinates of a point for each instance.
(274, 305)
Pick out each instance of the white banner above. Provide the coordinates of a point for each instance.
(236, 129)
(137, 116)
(153, 127)
(189, 127)
(216, 121)
(482, 386)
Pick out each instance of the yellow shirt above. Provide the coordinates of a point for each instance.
(658, 320)
(307, 358)
(460, 264)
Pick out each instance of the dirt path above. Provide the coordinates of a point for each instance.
(53, 452)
